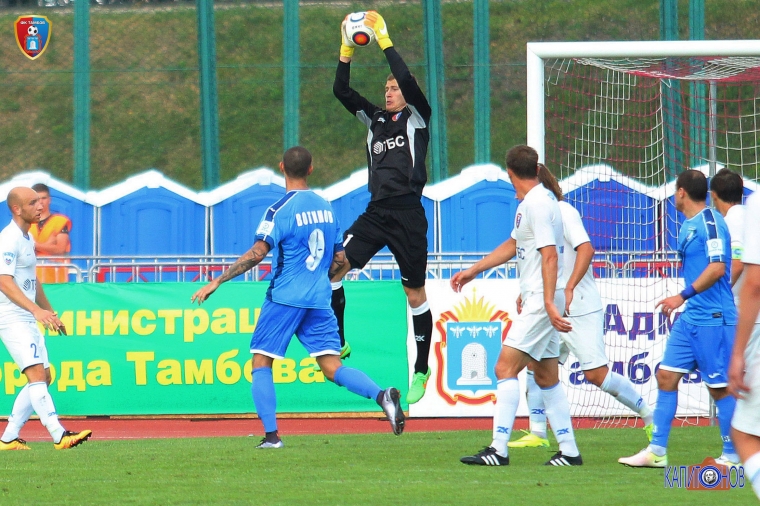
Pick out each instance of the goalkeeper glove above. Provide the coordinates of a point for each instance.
(377, 23)
(346, 45)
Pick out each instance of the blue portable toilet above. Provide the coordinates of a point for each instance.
(349, 199)
(237, 208)
(65, 199)
(476, 209)
(619, 213)
(150, 215)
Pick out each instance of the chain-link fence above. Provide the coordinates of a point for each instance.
(144, 74)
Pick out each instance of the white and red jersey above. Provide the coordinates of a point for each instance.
(735, 221)
(751, 253)
(538, 224)
(586, 298)
(751, 235)
(17, 259)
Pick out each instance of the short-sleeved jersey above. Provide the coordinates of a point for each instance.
(702, 240)
(19, 261)
(751, 254)
(735, 221)
(586, 298)
(304, 234)
(538, 224)
(751, 235)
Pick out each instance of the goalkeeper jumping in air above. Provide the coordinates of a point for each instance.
(396, 149)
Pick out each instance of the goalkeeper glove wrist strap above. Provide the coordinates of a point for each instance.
(384, 43)
(346, 51)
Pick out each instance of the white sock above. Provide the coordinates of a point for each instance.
(507, 400)
(336, 285)
(558, 413)
(22, 410)
(45, 409)
(622, 390)
(752, 472)
(535, 407)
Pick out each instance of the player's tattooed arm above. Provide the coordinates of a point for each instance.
(338, 265)
(251, 259)
(248, 261)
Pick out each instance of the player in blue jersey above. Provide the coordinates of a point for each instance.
(704, 334)
(304, 234)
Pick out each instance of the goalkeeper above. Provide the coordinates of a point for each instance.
(396, 149)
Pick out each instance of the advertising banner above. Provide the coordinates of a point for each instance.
(143, 349)
(469, 327)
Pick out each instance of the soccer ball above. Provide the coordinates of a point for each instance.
(32, 30)
(356, 31)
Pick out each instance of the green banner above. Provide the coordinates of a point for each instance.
(143, 349)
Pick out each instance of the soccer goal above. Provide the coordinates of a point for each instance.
(616, 122)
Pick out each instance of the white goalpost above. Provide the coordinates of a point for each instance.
(616, 122)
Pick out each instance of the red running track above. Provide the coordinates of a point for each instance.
(105, 428)
(142, 428)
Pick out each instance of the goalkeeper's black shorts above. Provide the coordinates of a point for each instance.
(403, 231)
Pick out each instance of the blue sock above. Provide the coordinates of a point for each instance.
(264, 397)
(356, 382)
(725, 412)
(664, 412)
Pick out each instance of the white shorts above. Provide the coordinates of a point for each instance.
(532, 331)
(747, 413)
(25, 344)
(585, 341)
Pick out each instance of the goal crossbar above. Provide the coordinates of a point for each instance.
(537, 52)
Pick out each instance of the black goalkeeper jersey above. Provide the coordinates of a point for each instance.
(397, 142)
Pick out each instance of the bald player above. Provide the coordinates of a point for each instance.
(22, 304)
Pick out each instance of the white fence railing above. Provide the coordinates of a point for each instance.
(190, 268)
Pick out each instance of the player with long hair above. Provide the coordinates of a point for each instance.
(584, 311)
(537, 242)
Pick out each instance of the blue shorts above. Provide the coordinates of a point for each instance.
(317, 329)
(708, 349)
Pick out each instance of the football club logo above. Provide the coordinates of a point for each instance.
(471, 339)
(8, 258)
(396, 116)
(518, 219)
(32, 35)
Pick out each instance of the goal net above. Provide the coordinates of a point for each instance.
(616, 122)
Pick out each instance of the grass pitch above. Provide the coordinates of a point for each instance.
(416, 468)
